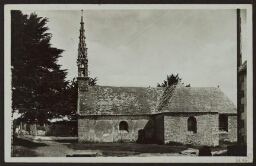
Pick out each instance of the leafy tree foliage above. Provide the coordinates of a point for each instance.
(93, 81)
(171, 79)
(70, 99)
(188, 85)
(38, 82)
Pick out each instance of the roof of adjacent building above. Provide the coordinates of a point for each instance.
(107, 100)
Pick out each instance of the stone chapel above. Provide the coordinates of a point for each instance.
(187, 115)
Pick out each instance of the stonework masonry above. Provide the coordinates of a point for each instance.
(232, 128)
(176, 129)
(231, 134)
(159, 128)
(154, 129)
(106, 128)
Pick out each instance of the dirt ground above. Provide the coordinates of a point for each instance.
(26, 148)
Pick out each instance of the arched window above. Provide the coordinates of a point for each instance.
(83, 73)
(123, 125)
(223, 122)
(192, 124)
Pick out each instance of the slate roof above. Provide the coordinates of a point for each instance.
(107, 100)
(199, 99)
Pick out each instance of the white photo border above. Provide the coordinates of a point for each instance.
(169, 159)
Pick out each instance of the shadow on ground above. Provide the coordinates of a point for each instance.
(26, 143)
(24, 148)
(66, 141)
(127, 147)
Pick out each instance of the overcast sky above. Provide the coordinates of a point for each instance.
(140, 47)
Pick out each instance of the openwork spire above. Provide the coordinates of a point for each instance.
(82, 50)
(82, 61)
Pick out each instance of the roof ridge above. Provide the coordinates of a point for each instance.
(167, 95)
(200, 99)
(149, 87)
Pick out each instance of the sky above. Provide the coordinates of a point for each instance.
(141, 47)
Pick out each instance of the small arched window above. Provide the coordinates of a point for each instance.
(123, 125)
(223, 122)
(192, 124)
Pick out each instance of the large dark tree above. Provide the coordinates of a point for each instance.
(170, 80)
(70, 99)
(38, 83)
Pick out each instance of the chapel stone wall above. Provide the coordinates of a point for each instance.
(232, 128)
(106, 128)
(176, 129)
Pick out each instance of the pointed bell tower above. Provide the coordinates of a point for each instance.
(82, 64)
(82, 61)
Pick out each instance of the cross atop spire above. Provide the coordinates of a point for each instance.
(82, 16)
